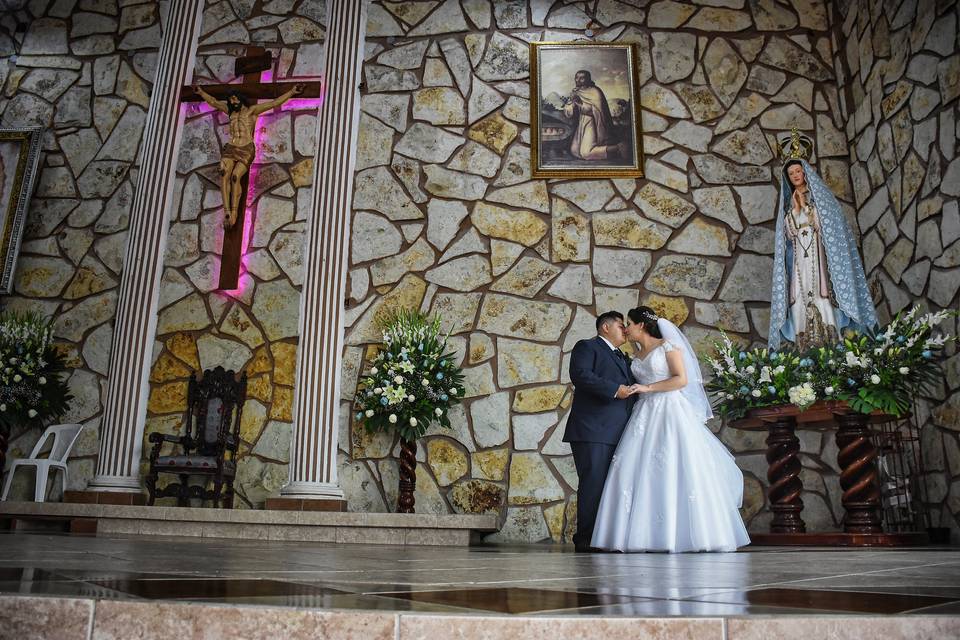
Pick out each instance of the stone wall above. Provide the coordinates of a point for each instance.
(901, 65)
(254, 327)
(83, 70)
(448, 219)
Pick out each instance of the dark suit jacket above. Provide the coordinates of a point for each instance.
(597, 372)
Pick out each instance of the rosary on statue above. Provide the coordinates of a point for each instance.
(803, 230)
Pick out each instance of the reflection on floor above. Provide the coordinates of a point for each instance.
(533, 580)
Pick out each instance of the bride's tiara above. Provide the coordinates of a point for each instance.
(649, 317)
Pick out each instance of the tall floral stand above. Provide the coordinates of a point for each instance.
(4, 443)
(859, 478)
(408, 476)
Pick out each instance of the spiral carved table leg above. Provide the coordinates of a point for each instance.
(858, 475)
(783, 473)
(408, 476)
(4, 441)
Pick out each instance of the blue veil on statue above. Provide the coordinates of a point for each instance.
(850, 303)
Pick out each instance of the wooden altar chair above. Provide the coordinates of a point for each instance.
(208, 446)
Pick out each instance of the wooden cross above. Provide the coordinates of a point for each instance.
(250, 67)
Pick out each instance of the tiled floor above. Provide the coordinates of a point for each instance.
(116, 587)
(533, 580)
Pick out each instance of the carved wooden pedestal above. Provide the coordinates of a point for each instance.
(408, 476)
(4, 442)
(783, 473)
(858, 476)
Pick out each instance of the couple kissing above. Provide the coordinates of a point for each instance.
(652, 476)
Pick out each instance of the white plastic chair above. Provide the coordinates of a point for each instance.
(64, 436)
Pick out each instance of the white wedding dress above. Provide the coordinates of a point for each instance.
(672, 485)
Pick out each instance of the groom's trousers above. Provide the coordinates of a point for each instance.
(592, 460)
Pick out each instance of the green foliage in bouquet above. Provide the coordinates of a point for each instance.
(31, 389)
(882, 372)
(412, 381)
(743, 380)
(885, 372)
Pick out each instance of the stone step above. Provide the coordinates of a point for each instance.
(317, 526)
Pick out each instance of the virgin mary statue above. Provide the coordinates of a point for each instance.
(819, 288)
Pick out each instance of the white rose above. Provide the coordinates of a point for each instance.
(368, 413)
(732, 370)
(438, 411)
(904, 370)
(392, 418)
(398, 379)
(32, 413)
(410, 398)
(378, 390)
(17, 378)
(413, 422)
(875, 379)
(453, 392)
(828, 391)
(42, 380)
(755, 393)
(751, 369)
(425, 382)
(3, 407)
(374, 370)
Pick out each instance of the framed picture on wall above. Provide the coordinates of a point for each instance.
(19, 154)
(585, 110)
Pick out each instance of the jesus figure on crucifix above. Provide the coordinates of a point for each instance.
(238, 154)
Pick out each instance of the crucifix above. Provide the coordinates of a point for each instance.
(239, 102)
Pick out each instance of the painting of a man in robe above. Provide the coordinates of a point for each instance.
(584, 113)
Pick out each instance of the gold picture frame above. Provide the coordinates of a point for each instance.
(577, 130)
(19, 156)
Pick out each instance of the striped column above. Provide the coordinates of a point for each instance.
(313, 460)
(135, 323)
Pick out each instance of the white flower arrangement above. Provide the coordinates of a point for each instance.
(31, 388)
(802, 395)
(412, 380)
(882, 372)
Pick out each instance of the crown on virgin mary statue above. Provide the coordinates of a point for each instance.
(796, 146)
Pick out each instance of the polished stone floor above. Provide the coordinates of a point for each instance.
(530, 580)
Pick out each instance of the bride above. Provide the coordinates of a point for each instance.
(672, 486)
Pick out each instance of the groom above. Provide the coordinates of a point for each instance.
(602, 402)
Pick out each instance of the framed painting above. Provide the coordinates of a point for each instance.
(585, 110)
(19, 154)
